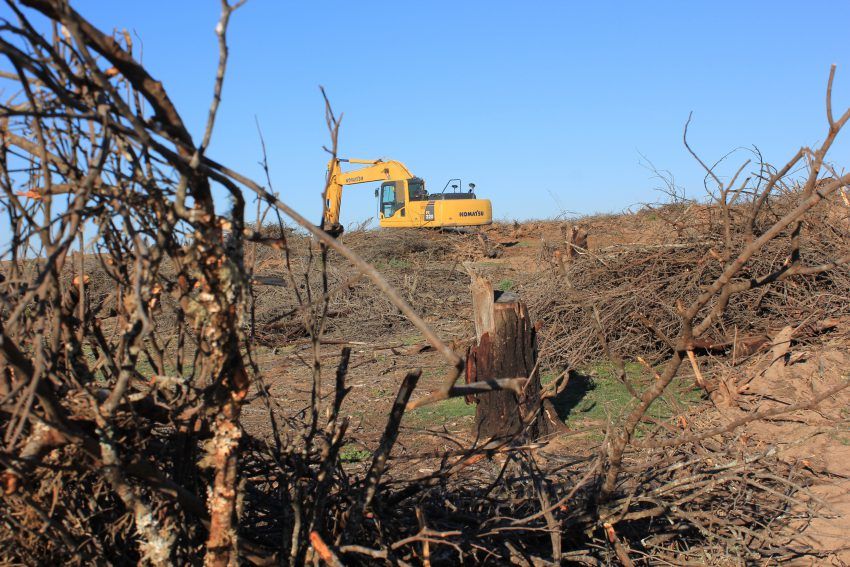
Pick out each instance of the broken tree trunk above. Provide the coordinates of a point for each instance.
(575, 240)
(506, 347)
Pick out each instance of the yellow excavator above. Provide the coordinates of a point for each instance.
(403, 200)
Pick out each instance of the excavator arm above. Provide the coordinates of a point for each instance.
(374, 170)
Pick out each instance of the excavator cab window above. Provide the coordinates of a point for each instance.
(392, 198)
(416, 189)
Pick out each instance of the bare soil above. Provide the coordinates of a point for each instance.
(429, 268)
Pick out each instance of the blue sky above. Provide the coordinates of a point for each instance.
(546, 106)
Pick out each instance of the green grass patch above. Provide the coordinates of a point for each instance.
(547, 377)
(505, 285)
(447, 411)
(353, 454)
(595, 395)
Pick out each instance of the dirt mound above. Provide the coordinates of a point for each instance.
(815, 439)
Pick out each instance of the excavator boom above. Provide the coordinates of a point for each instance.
(375, 170)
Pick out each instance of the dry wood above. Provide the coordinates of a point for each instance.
(506, 346)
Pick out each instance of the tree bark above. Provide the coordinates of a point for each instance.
(506, 347)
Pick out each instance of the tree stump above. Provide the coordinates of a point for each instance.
(506, 347)
(576, 236)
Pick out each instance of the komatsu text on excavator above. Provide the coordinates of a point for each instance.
(403, 201)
